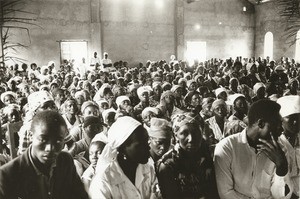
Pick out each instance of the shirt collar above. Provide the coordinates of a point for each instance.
(244, 136)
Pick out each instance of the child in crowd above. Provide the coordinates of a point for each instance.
(94, 153)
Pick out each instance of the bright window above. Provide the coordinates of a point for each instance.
(73, 50)
(297, 52)
(268, 47)
(196, 50)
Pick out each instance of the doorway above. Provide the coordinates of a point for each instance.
(195, 50)
(73, 50)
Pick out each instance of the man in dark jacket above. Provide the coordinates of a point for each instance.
(43, 171)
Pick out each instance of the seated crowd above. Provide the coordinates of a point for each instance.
(216, 129)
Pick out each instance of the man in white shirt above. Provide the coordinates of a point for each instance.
(94, 62)
(106, 63)
(251, 164)
(290, 113)
(81, 69)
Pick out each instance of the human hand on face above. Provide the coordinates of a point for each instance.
(274, 152)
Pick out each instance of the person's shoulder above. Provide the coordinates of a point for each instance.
(14, 167)
(148, 167)
(64, 157)
(15, 163)
(230, 141)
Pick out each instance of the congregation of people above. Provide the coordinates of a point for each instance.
(161, 129)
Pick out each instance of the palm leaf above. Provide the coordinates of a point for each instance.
(13, 16)
(289, 12)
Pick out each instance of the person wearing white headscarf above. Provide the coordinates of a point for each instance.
(122, 170)
(37, 101)
(239, 106)
(259, 90)
(221, 93)
(44, 76)
(290, 113)
(105, 93)
(143, 93)
(8, 97)
(124, 107)
(147, 114)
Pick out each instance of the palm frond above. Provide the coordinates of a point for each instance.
(14, 17)
(289, 12)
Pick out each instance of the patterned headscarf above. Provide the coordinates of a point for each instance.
(36, 99)
(183, 119)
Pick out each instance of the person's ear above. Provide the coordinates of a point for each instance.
(261, 123)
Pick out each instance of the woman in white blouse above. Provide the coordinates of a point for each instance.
(122, 169)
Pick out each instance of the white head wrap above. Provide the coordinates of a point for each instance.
(289, 105)
(43, 68)
(175, 87)
(36, 99)
(143, 89)
(101, 101)
(133, 86)
(121, 99)
(102, 88)
(3, 95)
(232, 98)
(257, 86)
(220, 90)
(106, 112)
(79, 93)
(182, 80)
(216, 103)
(149, 109)
(10, 107)
(160, 128)
(50, 63)
(156, 83)
(118, 133)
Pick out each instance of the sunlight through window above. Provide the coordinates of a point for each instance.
(268, 48)
(196, 50)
